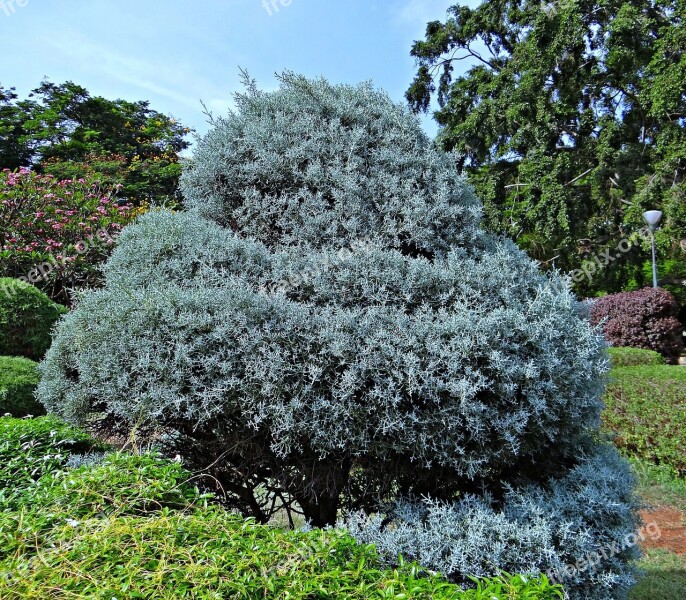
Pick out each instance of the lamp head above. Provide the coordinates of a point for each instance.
(652, 217)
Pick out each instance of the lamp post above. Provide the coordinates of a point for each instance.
(652, 217)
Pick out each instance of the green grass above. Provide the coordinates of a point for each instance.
(664, 577)
(660, 485)
(646, 413)
(133, 526)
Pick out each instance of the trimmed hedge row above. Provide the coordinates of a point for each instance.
(18, 381)
(634, 357)
(27, 317)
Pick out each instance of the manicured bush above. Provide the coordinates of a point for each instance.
(643, 319)
(56, 233)
(646, 411)
(135, 525)
(18, 381)
(554, 526)
(634, 357)
(27, 317)
(328, 329)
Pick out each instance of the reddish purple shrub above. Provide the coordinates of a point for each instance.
(643, 319)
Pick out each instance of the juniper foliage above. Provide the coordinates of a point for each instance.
(327, 328)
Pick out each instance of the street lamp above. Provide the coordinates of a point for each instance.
(652, 217)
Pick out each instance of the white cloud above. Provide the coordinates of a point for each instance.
(163, 80)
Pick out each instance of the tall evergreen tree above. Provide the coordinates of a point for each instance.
(64, 131)
(570, 123)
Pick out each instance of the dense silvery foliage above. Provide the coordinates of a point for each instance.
(327, 327)
(374, 354)
(579, 529)
(323, 165)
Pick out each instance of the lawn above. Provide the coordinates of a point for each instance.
(646, 414)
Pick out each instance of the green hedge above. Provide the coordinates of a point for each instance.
(634, 357)
(27, 317)
(133, 526)
(18, 381)
(646, 412)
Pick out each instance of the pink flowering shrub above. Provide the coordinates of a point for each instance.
(55, 233)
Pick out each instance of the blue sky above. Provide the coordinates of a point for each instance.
(175, 53)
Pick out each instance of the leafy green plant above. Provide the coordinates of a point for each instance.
(31, 448)
(633, 357)
(134, 526)
(646, 412)
(27, 317)
(214, 554)
(18, 381)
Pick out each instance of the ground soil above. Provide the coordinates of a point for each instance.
(672, 524)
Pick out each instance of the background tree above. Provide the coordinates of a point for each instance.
(14, 152)
(570, 123)
(328, 329)
(64, 131)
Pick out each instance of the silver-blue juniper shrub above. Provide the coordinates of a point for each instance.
(328, 329)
